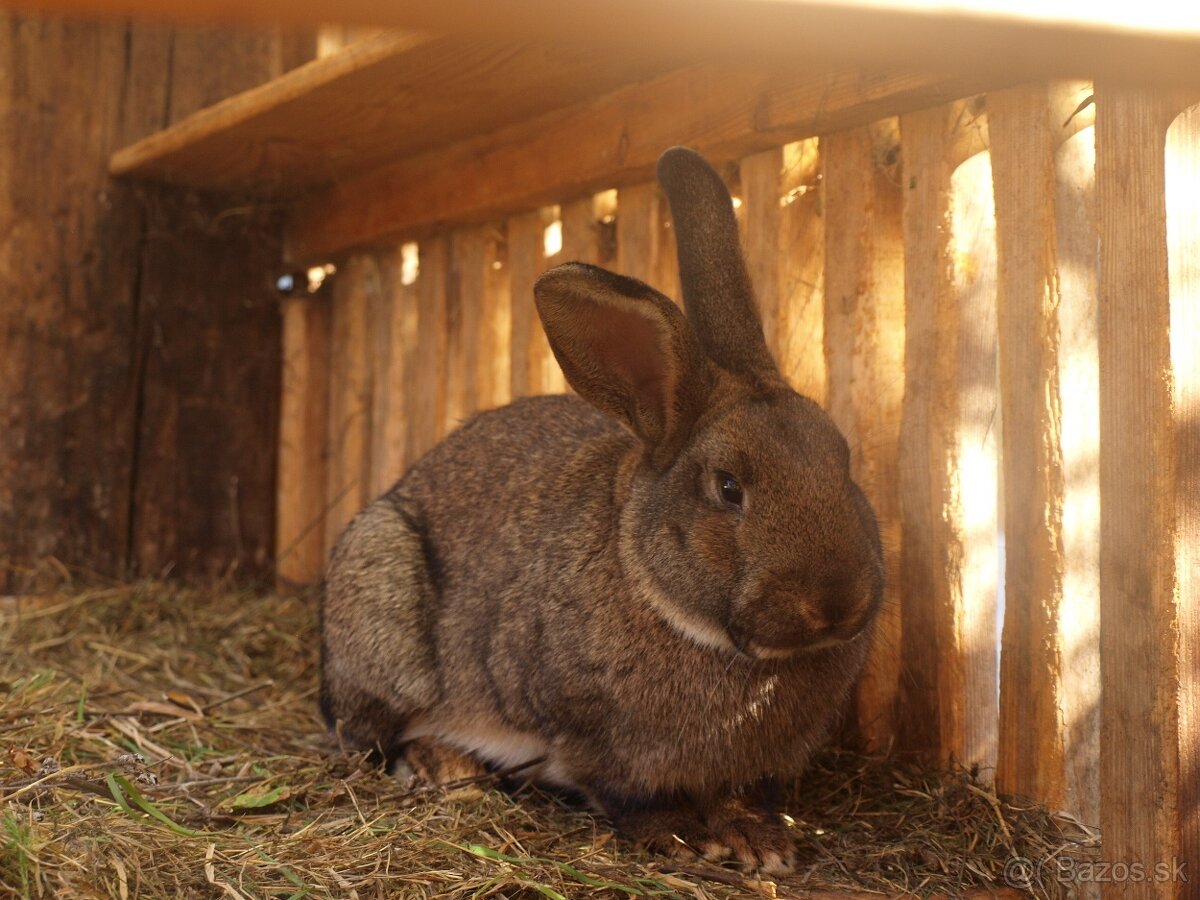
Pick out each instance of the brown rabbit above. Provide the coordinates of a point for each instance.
(659, 592)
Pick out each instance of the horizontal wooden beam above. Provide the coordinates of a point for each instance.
(1151, 42)
(726, 112)
(377, 100)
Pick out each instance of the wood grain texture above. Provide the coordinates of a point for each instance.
(534, 369)
(1023, 144)
(393, 399)
(303, 442)
(1139, 722)
(1183, 255)
(493, 377)
(864, 347)
(348, 486)
(724, 111)
(464, 315)
(137, 451)
(646, 239)
(932, 703)
(427, 397)
(1079, 386)
(378, 99)
(1125, 43)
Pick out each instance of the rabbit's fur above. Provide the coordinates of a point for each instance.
(567, 579)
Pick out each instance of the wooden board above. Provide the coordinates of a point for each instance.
(1139, 747)
(864, 346)
(1142, 43)
(376, 100)
(348, 486)
(1183, 255)
(933, 704)
(493, 379)
(534, 369)
(303, 442)
(427, 384)
(646, 239)
(1023, 145)
(1079, 386)
(723, 111)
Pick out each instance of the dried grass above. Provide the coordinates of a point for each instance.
(165, 742)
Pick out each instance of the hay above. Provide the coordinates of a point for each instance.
(163, 742)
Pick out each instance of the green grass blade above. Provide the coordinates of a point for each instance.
(123, 792)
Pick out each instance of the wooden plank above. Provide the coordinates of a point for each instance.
(493, 379)
(464, 314)
(646, 239)
(801, 326)
(303, 442)
(1139, 747)
(348, 484)
(534, 369)
(118, 317)
(785, 255)
(1149, 42)
(427, 386)
(864, 345)
(932, 709)
(1023, 144)
(392, 396)
(724, 111)
(1183, 255)
(381, 98)
(1079, 379)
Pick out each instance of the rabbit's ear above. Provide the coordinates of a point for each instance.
(717, 293)
(627, 350)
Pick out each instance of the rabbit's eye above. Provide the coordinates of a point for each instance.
(729, 489)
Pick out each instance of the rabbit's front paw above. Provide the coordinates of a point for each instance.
(677, 833)
(430, 762)
(755, 838)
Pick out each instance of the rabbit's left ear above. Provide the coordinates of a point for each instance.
(628, 351)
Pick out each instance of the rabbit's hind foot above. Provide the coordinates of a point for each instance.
(430, 762)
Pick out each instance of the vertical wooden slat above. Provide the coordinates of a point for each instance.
(948, 680)
(932, 702)
(1079, 627)
(391, 424)
(1183, 254)
(801, 326)
(303, 442)
(1139, 749)
(762, 188)
(534, 369)
(581, 232)
(646, 240)
(348, 473)
(380, 474)
(464, 298)
(974, 490)
(427, 387)
(864, 345)
(493, 378)
(1023, 145)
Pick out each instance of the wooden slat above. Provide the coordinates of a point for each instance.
(932, 713)
(1139, 748)
(1023, 144)
(349, 469)
(378, 99)
(393, 333)
(785, 255)
(1078, 366)
(493, 378)
(864, 343)
(303, 437)
(723, 111)
(427, 384)
(801, 326)
(1155, 41)
(646, 239)
(1183, 254)
(464, 313)
(534, 369)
